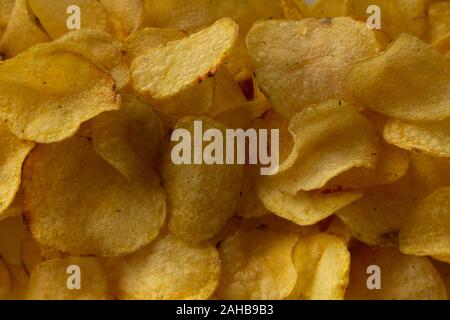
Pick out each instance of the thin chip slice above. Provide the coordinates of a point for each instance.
(322, 262)
(165, 71)
(100, 213)
(5, 279)
(257, 265)
(402, 277)
(48, 105)
(397, 82)
(130, 13)
(53, 280)
(169, 269)
(291, 74)
(439, 19)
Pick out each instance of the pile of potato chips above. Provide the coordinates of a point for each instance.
(88, 187)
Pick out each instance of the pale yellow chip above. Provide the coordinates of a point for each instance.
(322, 8)
(6, 7)
(200, 197)
(390, 83)
(438, 19)
(130, 13)
(292, 74)
(48, 105)
(58, 279)
(322, 262)
(402, 277)
(257, 265)
(13, 152)
(56, 15)
(167, 70)
(100, 212)
(169, 269)
(22, 31)
(5, 279)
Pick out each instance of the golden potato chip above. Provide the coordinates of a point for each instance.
(22, 31)
(100, 212)
(399, 16)
(131, 13)
(200, 197)
(169, 269)
(55, 15)
(19, 283)
(5, 279)
(167, 70)
(128, 139)
(48, 105)
(322, 262)
(390, 83)
(291, 74)
(439, 19)
(15, 208)
(12, 231)
(6, 7)
(257, 265)
(322, 8)
(402, 277)
(13, 152)
(338, 228)
(290, 10)
(69, 279)
(227, 94)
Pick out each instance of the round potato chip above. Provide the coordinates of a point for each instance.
(257, 265)
(169, 269)
(292, 74)
(5, 279)
(390, 83)
(50, 280)
(77, 203)
(62, 91)
(167, 70)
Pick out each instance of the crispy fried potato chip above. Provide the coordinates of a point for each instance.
(54, 15)
(322, 8)
(60, 101)
(390, 83)
(128, 139)
(100, 213)
(50, 280)
(322, 262)
(6, 7)
(16, 207)
(201, 197)
(22, 31)
(13, 152)
(439, 19)
(399, 16)
(130, 13)
(169, 269)
(257, 265)
(291, 74)
(192, 60)
(12, 231)
(5, 279)
(428, 173)
(403, 277)
(227, 94)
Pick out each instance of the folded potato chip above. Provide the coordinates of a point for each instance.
(50, 279)
(100, 213)
(389, 83)
(165, 71)
(5, 279)
(438, 19)
(257, 265)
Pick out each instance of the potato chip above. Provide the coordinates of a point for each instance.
(227, 94)
(291, 74)
(338, 228)
(54, 15)
(6, 7)
(19, 283)
(290, 10)
(5, 279)
(15, 208)
(60, 102)
(389, 84)
(443, 45)
(100, 213)
(322, 262)
(257, 265)
(22, 32)
(400, 16)
(200, 197)
(169, 269)
(439, 19)
(402, 277)
(130, 13)
(52, 280)
(13, 152)
(322, 8)
(12, 231)
(128, 139)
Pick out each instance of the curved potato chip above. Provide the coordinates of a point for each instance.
(438, 20)
(60, 102)
(388, 84)
(54, 14)
(257, 265)
(200, 197)
(5, 279)
(49, 280)
(6, 7)
(403, 277)
(291, 74)
(13, 152)
(167, 70)
(12, 231)
(131, 13)
(338, 228)
(22, 31)
(322, 262)
(169, 269)
(128, 139)
(100, 212)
